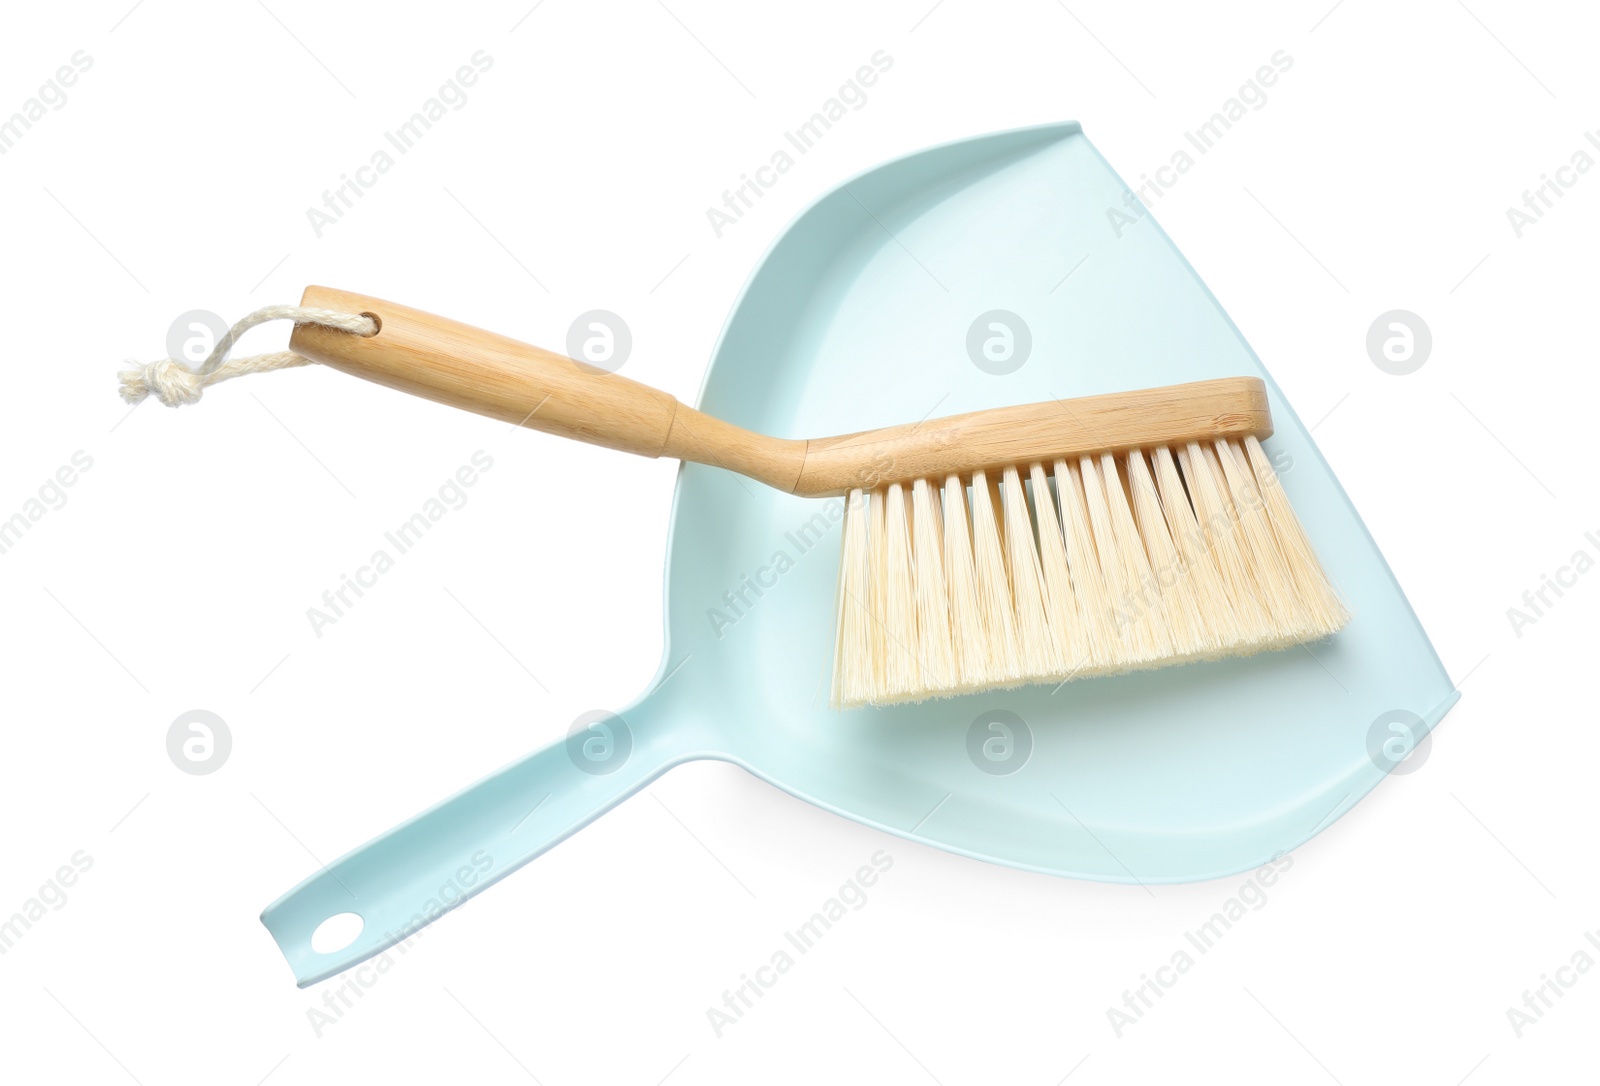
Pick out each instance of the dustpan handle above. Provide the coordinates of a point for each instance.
(412, 875)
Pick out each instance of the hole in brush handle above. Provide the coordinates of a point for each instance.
(475, 370)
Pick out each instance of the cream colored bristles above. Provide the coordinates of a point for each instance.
(902, 648)
(1273, 577)
(1197, 566)
(1313, 589)
(1004, 663)
(1191, 636)
(877, 590)
(852, 649)
(933, 598)
(1128, 561)
(1071, 636)
(968, 639)
(1219, 534)
(1036, 648)
(1143, 606)
(1094, 601)
(1135, 642)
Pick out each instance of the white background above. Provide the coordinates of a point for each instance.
(178, 573)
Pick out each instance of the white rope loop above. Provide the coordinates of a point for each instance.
(173, 383)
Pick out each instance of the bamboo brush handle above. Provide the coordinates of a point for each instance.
(1033, 433)
(469, 368)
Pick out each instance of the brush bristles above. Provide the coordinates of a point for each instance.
(852, 647)
(933, 598)
(970, 644)
(1053, 572)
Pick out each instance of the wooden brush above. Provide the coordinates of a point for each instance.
(1027, 544)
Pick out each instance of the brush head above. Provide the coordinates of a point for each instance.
(1090, 565)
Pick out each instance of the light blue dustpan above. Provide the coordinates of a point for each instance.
(858, 318)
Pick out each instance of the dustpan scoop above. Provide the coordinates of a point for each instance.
(860, 315)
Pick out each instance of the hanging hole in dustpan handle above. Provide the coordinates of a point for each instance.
(382, 894)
